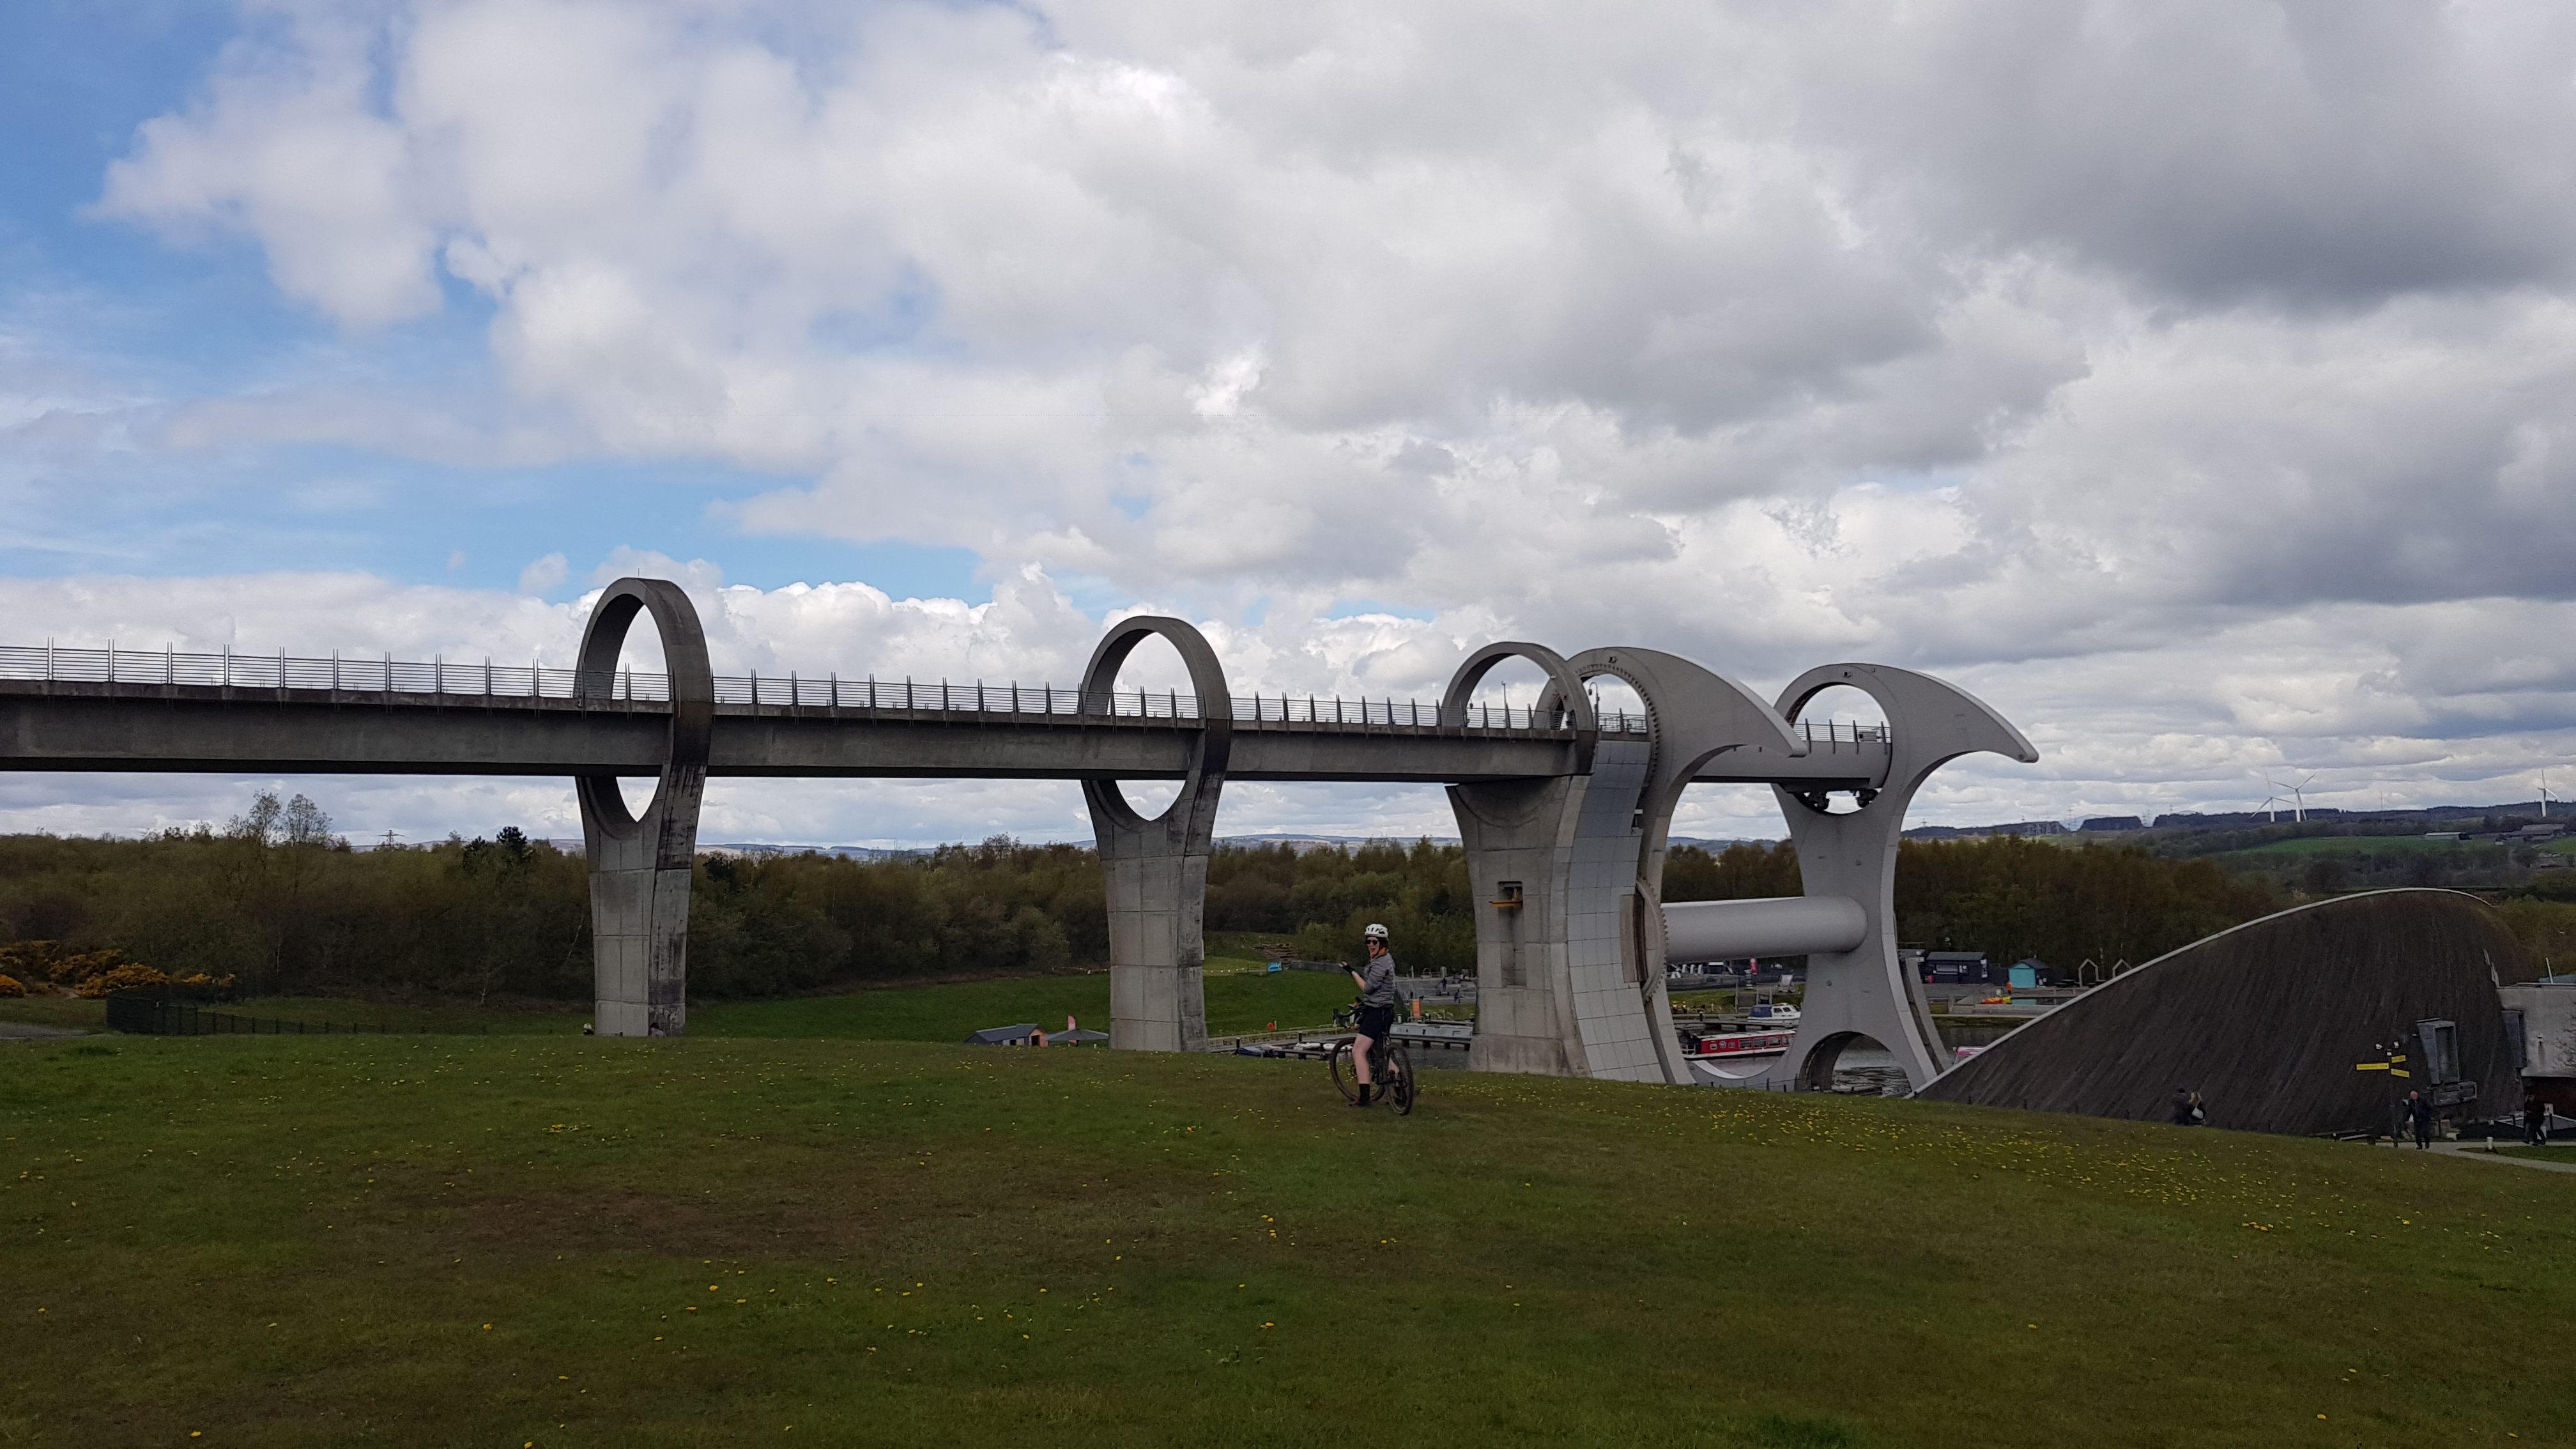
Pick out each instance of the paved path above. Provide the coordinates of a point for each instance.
(28, 1031)
(2462, 1149)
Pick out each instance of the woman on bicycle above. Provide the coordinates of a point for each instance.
(1377, 1006)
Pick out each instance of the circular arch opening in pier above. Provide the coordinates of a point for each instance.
(1152, 680)
(641, 654)
(1509, 691)
(1853, 1064)
(637, 792)
(1614, 700)
(1837, 718)
(643, 669)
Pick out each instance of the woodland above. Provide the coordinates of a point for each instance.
(276, 903)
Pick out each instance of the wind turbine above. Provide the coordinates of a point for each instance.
(2544, 794)
(2298, 801)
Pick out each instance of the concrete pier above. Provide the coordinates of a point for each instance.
(1156, 870)
(640, 866)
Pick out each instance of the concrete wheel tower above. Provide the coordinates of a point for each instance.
(1697, 716)
(1863, 992)
(640, 866)
(1523, 847)
(1570, 934)
(1156, 870)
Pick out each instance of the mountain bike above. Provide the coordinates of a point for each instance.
(1390, 1071)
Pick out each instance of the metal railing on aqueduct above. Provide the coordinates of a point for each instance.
(495, 683)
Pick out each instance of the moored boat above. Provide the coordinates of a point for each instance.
(1732, 1044)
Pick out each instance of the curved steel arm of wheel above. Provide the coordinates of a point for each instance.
(1930, 721)
(1698, 715)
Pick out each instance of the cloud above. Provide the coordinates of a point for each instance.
(2388, 704)
(545, 575)
(2190, 379)
(283, 147)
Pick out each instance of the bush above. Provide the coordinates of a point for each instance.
(132, 973)
(10, 986)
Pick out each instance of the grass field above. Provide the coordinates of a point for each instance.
(566, 1241)
(1237, 1002)
(2461, 850)
(1240, 998)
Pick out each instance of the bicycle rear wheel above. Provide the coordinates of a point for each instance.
(1400, 1080)
(1345, 1077)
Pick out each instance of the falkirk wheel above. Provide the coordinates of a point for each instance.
(1573, 933)
(1564, 810)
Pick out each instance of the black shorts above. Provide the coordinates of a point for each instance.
(1376, 1023)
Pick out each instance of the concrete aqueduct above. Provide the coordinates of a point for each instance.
(1564, 812)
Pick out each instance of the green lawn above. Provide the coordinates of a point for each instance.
(1240, 998)
(2362, 845)
(1236, 1002)
(89, 1014)
(557, 1020)
(567, 1241)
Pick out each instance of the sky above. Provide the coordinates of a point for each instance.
(2189, 381)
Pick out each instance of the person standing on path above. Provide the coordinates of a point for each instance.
(1377, 1006)
(2535, 1122)
(2419, 1112)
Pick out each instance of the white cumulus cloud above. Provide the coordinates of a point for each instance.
(2190, 379)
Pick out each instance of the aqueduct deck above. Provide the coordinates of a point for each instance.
(90, 709)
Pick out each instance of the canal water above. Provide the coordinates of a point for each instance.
(1869, 1072)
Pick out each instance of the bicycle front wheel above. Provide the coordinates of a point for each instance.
(1400, 1080)
(1346, 1078)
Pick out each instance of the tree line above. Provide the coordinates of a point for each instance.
(281, 905)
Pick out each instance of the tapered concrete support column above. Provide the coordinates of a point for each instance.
(1623, 1012)
(1553, 863)
(640, 867)
(1532, 848)
(1864, 992)
(1156, 870)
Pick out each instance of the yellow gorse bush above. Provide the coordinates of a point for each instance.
(91, 973)
(47, 959)
(132, 973)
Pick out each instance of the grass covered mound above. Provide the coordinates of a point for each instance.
(496, 1240)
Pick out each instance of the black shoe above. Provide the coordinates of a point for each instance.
(1363, 1099)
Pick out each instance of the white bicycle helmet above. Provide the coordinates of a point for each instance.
(1375, 932)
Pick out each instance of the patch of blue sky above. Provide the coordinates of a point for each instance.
(305, 507)
(1094, 595)
(901, 316)
(76, 78)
